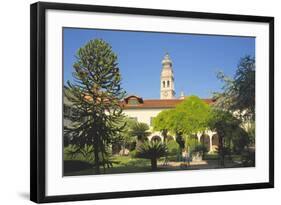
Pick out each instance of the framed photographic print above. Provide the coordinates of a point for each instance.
(129, 102)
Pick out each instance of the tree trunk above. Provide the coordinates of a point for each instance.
(153, 163)
(123, 150)
(165, 135)
(221, 151)
(96, 153)
(139, 142)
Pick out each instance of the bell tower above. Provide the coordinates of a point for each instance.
(167, 87)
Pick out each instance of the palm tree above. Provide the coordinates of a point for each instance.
(140, 130)
(152, 150)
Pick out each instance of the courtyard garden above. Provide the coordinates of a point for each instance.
(101, 139)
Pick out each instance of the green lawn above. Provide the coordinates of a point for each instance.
(121, 164)
(127, 164)
(213, 156)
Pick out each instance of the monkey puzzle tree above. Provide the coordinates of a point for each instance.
(95, 94)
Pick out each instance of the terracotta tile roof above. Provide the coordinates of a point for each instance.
(147, 103)
(157, 103)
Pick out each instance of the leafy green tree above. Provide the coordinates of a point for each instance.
(226, 127)
(160, 123)
(127, 139)
(240, 140)
(188, 118)
(95, 94)
(173, 148)
(192, 116)
(165, 123)
(141, 131)
(152, 150)
(251, 130)
(238, 98)
(174, 151)
(239, 93)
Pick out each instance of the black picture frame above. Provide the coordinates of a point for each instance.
(38, 101)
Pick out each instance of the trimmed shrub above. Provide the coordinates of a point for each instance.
(173, 148)
(198, 148)
(133, 153)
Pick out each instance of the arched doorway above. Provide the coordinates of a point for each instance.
(215, 142)
(205, 140)
(156, 138)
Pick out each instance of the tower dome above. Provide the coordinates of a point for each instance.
(167, 60)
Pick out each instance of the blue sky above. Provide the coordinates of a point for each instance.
(196, 58)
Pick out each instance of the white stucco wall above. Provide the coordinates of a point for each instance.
(144, 115)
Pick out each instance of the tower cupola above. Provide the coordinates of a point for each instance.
(167, 88)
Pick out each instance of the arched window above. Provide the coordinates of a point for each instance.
(168, 83)
(156, 138)
(163, 84)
